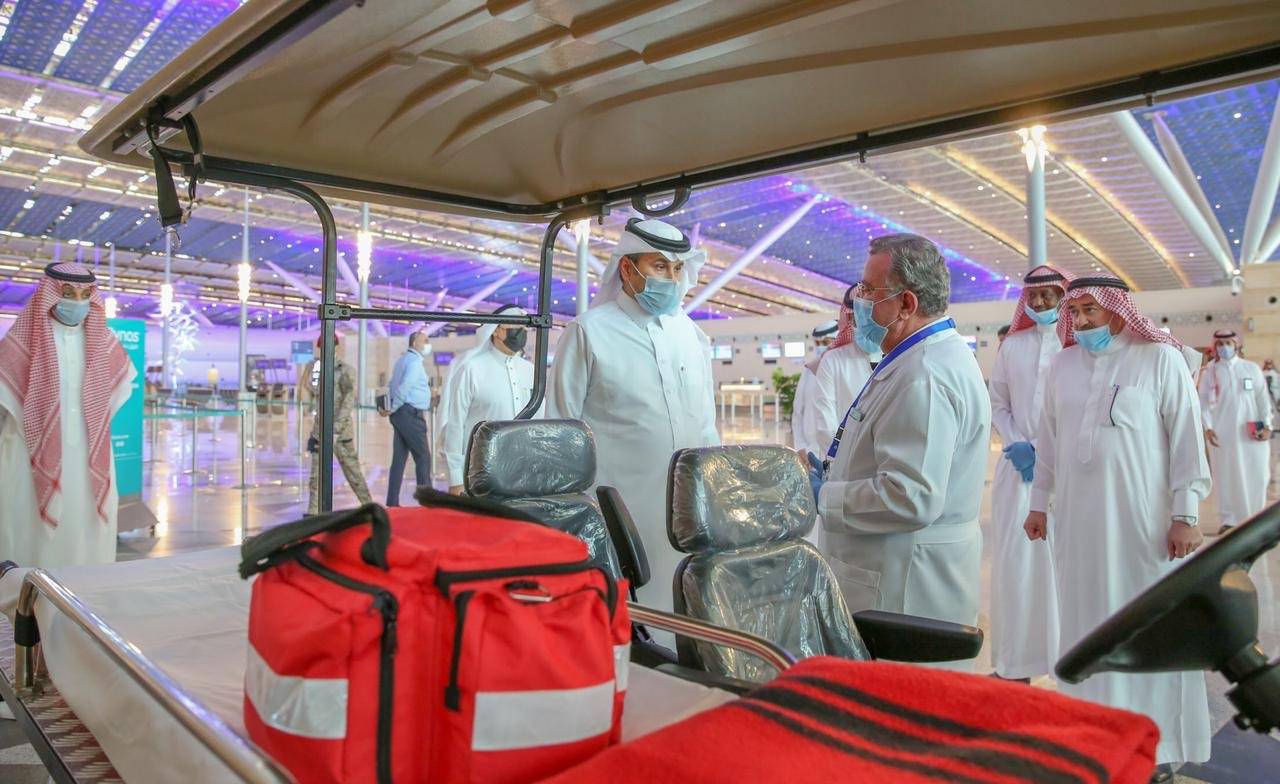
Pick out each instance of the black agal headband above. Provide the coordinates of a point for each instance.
(667, 244)
(1044, 277)
(68, 277)
(1106, 283)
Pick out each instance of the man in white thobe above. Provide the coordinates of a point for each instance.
(903, 490)
(637, 370)
(841, 374)
(1120, 460)
(1236, 410)
(63, 376)
(494, 383)
(1024, 601)
(803, 420)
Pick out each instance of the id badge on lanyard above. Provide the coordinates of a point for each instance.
(857, 414)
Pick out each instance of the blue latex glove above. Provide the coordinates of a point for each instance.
(816, 476)
(1023, 457)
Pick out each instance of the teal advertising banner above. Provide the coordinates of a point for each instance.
(126, 428)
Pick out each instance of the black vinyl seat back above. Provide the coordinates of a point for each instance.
(544, 468)
(741, 513)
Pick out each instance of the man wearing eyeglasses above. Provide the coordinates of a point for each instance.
(902, 487)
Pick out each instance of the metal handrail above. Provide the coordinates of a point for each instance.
(770, 653)
(238, 754)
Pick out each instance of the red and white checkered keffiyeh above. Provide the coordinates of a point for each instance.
(29, 367)
(1021, 320)
(844, 326)
(1114, 300)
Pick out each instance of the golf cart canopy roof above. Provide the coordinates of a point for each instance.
(526, 107)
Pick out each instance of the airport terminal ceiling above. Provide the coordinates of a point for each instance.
(66, 63)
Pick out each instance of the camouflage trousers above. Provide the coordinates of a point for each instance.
(344, 450)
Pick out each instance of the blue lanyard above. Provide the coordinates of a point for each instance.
(898, 350)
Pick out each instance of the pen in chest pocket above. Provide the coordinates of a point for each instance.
(1111, 412)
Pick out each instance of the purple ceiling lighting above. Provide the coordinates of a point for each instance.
(831, 240)
(1222, 135)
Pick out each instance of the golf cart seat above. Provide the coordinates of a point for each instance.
(544, 468)
(741, 513)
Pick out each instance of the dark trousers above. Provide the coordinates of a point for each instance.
(410, 437)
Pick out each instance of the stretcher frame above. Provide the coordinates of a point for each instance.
(171, 114)
(72, 754)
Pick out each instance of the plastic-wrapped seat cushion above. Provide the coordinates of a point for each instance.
(741, 513)
(543, 467)
(575, 514)
(530, 457)
(724, 497)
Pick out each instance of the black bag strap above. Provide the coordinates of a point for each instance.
(429, 496)
(282, 543)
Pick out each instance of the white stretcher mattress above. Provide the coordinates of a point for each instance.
(188, 614)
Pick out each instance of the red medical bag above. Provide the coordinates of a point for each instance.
(456, 642)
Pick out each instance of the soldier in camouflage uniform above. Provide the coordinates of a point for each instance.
(344, 435)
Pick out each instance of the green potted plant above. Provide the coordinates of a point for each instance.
(785, 386)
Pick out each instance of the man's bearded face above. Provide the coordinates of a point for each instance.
(1043, 298)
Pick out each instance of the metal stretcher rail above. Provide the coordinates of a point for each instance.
(238, 754)
(771, 654)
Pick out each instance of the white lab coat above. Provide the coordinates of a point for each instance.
(901, 503)
(1024, 601)
(81, 537)
(802, 421)
(1119, 453)
(842, 373)
(490, 386)
(643, 384)
(1233, 394)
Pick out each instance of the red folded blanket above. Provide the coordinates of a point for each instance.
(832, 720)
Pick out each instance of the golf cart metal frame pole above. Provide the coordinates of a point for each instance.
(331, 311)
(328, 311)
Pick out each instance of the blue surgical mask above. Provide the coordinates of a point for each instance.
(868, 334)
(864, 343)
(1226, 352)
(820, 350)
(660, 296)
(1045, 318)
(71, 311)
(1096, 339)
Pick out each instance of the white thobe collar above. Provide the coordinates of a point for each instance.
(63, 329)
(1046, 328)
(498, 354)
(636, 312)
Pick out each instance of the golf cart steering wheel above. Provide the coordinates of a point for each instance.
(1201, 616)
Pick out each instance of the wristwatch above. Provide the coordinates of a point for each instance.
(1190, 520)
